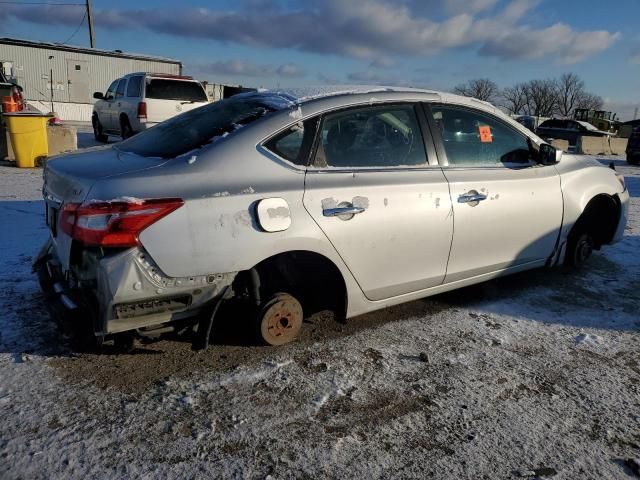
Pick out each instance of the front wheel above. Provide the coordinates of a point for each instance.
(579, 249)
(279, 321)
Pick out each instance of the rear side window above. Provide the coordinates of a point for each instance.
(121, 88)
(386, 136)
(472, 138)
(294, 143)
(166, 89)
(133, 89)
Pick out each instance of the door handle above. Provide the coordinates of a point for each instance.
(335, 212)
(472, 197)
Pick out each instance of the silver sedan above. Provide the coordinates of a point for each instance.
(293, 202)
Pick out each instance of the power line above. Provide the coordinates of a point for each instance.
(42, 3)
(76, 30)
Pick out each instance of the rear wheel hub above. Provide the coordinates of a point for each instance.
(280, 319)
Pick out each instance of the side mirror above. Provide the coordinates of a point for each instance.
(98, 95)
(549, 155)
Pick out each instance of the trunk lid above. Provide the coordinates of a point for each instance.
(69, 178)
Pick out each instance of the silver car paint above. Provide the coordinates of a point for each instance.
(216, 233)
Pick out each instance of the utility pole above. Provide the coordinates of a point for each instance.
(90, 18)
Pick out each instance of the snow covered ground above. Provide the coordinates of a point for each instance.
(536, 374)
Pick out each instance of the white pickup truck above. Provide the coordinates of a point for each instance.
(141, 100)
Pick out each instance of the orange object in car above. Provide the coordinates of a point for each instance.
(9, 105)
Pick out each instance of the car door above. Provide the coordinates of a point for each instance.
(105, 106)
(118, 104)
(131, 101)
(507, 209)
(376, 191)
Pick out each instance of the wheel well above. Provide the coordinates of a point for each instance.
(123, 117)
(312, 278)
(599, 218)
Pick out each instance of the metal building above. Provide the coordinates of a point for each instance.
(71, 74)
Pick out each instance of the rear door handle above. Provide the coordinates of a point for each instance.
(471, 197)
(335, 212)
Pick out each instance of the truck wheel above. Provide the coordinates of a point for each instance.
(579, 248)
(125, 128)
(279, 321)
(98, 133)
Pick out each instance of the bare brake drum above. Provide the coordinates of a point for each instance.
(280, 319)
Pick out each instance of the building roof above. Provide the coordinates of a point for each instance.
(89, 51)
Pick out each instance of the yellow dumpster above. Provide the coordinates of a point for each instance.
(28, 134)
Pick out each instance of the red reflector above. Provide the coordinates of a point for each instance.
(114, 224)
(142, 110)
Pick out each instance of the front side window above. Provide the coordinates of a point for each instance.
(111, 91)
(133, 88)
(472, 138)
(387, 136)
(121, 88)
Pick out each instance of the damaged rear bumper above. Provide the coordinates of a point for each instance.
(123, 290)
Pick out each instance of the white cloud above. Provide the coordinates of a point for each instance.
(250, 69)
(367, 29)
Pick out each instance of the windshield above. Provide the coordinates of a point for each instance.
(163, 89)
(201, 126)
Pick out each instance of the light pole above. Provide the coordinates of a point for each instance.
(51, 82)
(90, 21)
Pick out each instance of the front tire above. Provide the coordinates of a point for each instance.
(579, 249)
(98, 132)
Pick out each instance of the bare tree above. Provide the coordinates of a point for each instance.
(590, 101)
(514, 99)
(541, 98)
(570, 91)
(480, 88)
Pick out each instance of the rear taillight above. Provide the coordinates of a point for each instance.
(116, 223)
(142, 110)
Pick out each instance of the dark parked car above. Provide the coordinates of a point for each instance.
(633, 147)
(568, 129)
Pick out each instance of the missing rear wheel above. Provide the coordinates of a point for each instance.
(279, 320)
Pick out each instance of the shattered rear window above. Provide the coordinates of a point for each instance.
(202, 126)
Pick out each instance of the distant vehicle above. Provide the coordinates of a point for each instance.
(527, 121)
(601, 119)
(293, 202)
(568, 129)
(633, 147)
(10, 89)
(139, 101)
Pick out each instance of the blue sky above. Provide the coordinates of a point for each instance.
(425, 43)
